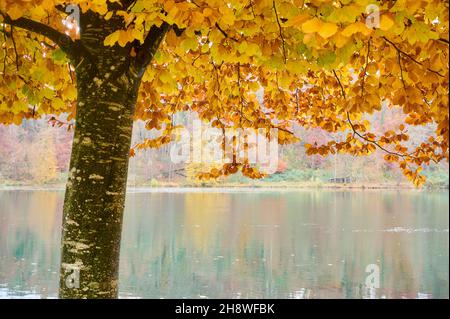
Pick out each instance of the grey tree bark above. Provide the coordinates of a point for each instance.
(108, 80)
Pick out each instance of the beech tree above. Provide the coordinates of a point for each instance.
(319, 63)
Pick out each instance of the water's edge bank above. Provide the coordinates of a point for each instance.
(168, 187)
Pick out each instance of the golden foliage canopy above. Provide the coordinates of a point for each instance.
(317, 63)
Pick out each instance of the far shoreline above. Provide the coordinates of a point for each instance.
(227, 187)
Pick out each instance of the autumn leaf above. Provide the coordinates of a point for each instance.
(327, 30)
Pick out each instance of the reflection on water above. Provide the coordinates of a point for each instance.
(299, 244)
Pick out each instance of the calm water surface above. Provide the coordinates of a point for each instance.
(230, 244)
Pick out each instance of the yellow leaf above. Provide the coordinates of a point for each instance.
(327, 30)
(207, 12)
(58, 104)
(15, 12)
(386, 23)
(297, 20)
(124, 38)
(138, 34)
(109, 15)
(355, 28)
(340, 40)
(312, 25)
(112, 39)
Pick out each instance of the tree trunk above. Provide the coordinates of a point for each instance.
(95, 193)
(108, 80)
(96, 186)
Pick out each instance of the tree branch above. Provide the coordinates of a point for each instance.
(128, 4)
(355, 132)
(151, 44)
(62, 40)
(410, 57)
(340, 84)
(281, 31)
(224, 33)
(443, 40)
(363, 84)
(15, 48)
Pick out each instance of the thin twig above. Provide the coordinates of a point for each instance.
(225, 34)
(253, 10)
(399, 57)
(15, 48)
(411, 57)
(365, 70)
(281, 32)
(6, 51)
(240, 94)
(369, 140)
(340, 84)
(355, 132)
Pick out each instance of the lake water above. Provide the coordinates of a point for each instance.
(245, 244)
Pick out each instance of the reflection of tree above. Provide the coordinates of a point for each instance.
(270, 244)
(263, 244)
(29, 240)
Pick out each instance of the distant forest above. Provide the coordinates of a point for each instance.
(38, 153)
